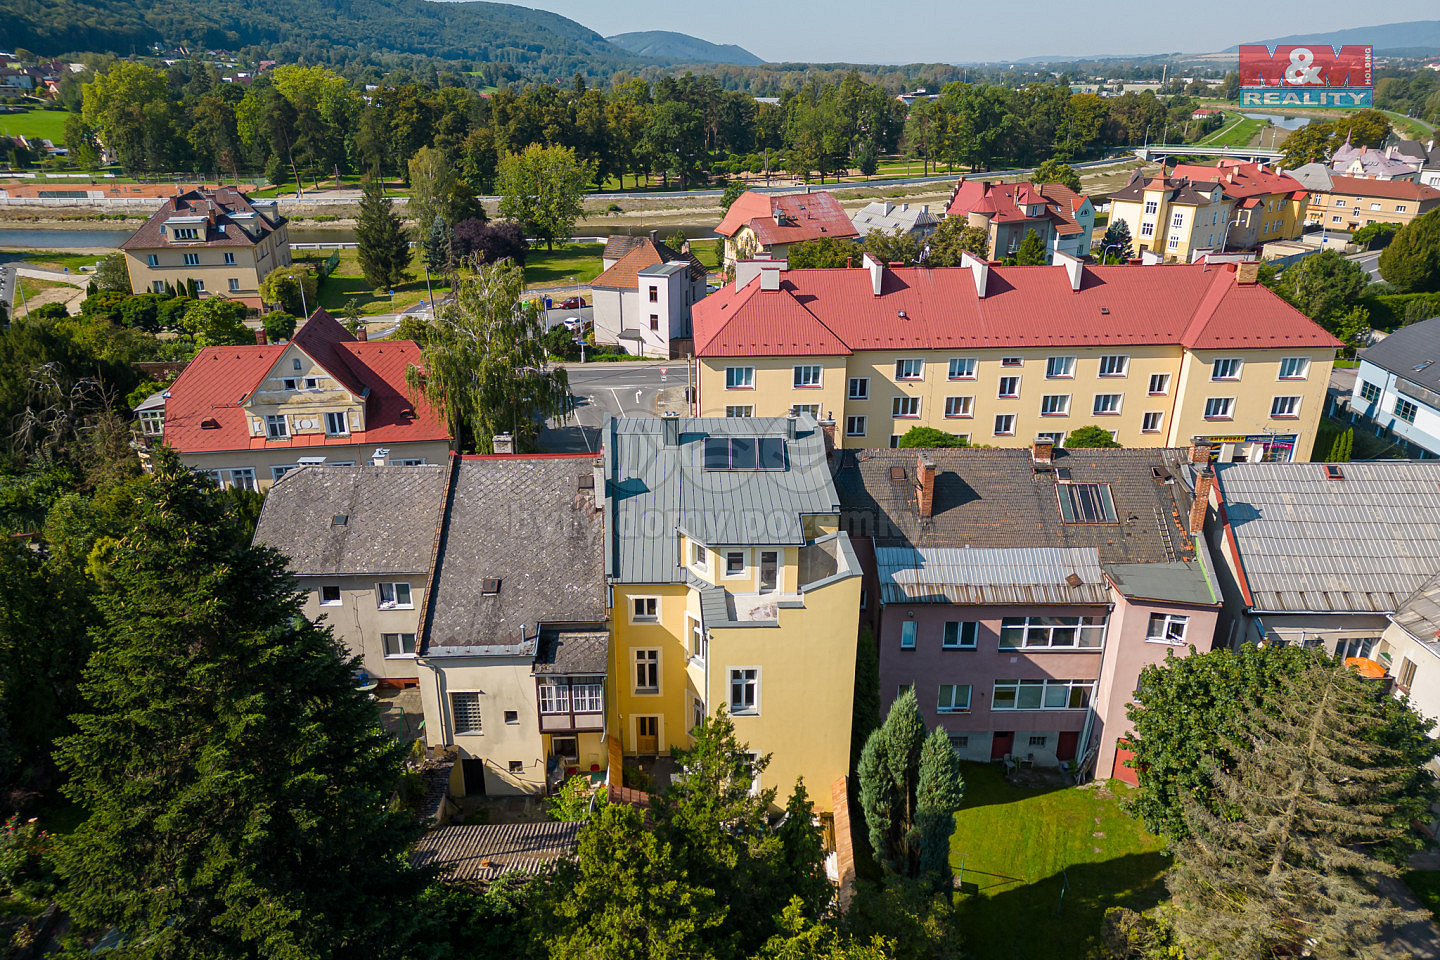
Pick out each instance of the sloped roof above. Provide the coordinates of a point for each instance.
(634, 254)
(390, 517)
(218, 204)
(1241, 180)
(888, 217)
(1419, 615)
(990, 575)
(1390, 189)
(1411, 353)
(1310, 544)
(1179, 190)
(1198, 305)
(803, 216)
(485, 852)
(1004, 202)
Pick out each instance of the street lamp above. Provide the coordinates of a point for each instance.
(1110, 246)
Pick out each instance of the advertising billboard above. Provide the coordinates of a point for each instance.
(1305, 76)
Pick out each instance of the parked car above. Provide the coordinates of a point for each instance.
(573, 324)
(574, 303)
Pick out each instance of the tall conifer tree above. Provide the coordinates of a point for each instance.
(383, 241)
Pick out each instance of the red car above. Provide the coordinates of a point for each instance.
(574, 303)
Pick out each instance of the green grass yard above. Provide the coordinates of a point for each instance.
(1235, 133)
(580, 261)
(1048, 865)
(45, 124)
(348, 283)
(52, 259)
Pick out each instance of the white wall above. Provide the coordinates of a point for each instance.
(505, 683)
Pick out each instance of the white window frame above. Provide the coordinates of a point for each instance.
(739, 378)
(644, 608)
(1234, 367)
(959, 408)
(1166, 622)
(736, 410)
(1038, 633)
(151, 260)
(229, 258)
(855, 425)
(953, 705)
(400, 644)
(695, 637)
(641, 657)
(1068, 689)
(277, 426)
(1107, 404)
(339, 596)
(1152, 421)
(1012, 361)
(234, 284)
(1164, 383)
(962, 368)
(1151, 207)
(1219, 408)
(394, 589)
(858, 389)
(1285, 408)
(553, 697)
(199, 286)
(908, 631)
(1008, 429)
(192, 259)
(341, 418)
(455, 712)
(744, 564)
(699, 556)
(1000, 393)
(1299, 368)
(965, 630)
(910, 370)
(1147, 229)
(752, 681)
(588, 696)
(811, 408)
(807, 376)
(1055, 405)
(1123, 361)
(912, 404)
(1060, 368)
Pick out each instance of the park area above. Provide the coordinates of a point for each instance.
(1047, 862)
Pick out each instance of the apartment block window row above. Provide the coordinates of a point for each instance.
(1018, 633)
(1059, 368)
(1107, 404)
(954, 698)
(959, 407)
(739, 378)
(1114, 366)
(1042, 694)
(1220, 408)
(807, 375)
(909, 369)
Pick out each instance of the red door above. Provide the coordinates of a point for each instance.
(1120, 771)
(1001, 743)
(1069, 742)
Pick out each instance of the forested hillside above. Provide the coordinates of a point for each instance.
(682, 46)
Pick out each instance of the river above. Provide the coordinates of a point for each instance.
(1277, 120)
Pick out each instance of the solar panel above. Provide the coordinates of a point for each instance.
(717, 453)
(772, 453)
(1086, 503)
(742, 453)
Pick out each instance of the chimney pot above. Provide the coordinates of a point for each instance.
(363, 333)
(654, 236)
(1200, 448)
(925, 487)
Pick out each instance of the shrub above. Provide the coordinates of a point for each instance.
(923, 437)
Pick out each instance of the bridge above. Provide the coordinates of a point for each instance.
(1159, 151)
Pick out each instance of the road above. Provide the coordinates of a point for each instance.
(7, 286)
(1369, 262)
(627, 389)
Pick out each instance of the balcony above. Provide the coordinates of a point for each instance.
(569, 671)
(825, 560)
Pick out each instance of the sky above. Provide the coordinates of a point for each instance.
(951, 31)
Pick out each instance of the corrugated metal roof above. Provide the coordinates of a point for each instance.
(1360, 544)
(487, 851)
(1419, 615)
(1178, 582)
(656, 489)
(1028, 575)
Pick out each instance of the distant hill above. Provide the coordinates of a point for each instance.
(680, 46)
(534, 42)
(1417, 38)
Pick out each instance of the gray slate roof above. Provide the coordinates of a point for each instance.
(391, 518)
(487, 851)
(526, 522)
(1407, 348)
(572, 652)
(996, 498)
(888, 217)
(1030, 575)
(655, 488)
(1308, 544)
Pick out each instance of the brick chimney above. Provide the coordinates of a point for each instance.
(260, 337)
(925, 487)
(1042, 451)
(1200, 451)
(1247, 273)
(363, 334)
(1204, 480)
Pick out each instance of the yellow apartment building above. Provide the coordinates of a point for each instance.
(1172, 216)
(1265, 204)
(731, 587)
(1156, 355)
(221, 239)
(1350, 203)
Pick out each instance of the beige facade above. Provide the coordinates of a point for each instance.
(507, 739)
(1383, 202)
(376, 616)
(1175, 229)
(260, 465)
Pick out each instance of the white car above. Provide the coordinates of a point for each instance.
(573, 324)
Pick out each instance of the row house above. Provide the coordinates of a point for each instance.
(1345, 203)
(1063, 220)
(763, 223)
(1000, 355)
(1019, 593)
(247, 415)
(730, 587)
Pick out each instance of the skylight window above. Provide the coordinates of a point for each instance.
(1086, 503)
(744, 453)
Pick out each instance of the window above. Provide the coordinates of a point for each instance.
(1294, 368)
(1147, 229)
(1009, 388)
(807, 376)
(1374, 206)
(398, 644)
(157, 286)
(907, 635)
(1285, 408)
(647, 671)
(229, 259)
(909, 369)
(276, 427)
(1114, 366)
(589, 696)
(739, 378)
(1005, 425)
(337, 424)
(554, 697)
(903, 688)
(744, 453)
(698, 555)
(1042, 694)
(1166, 628)
(234, 285)
(1106, 404)
(654, 322)
(960, 635)
(1056, 437)
(744, 691)
(811, 408)
(1178, 220)
(1399, 208)
(395, 596)
(697, 637)
(735, 563)
(954, 698)
(1150, 423)
(1226, 369)
(1055, 405)
(186, 233)
(1339, 202)
(644, 609)
(512, 716)
(1057, 368)
(277, 472)
(962, 368)
(855, 426)
(1219, 408)
(1012, 361)
(330, 596)
(516, 766)
(1017, 633)
(465, 712)
(1086, 503)
(1159, 384)
(1369, 391)
(1406, 676)
(152, 422)
(959, 406)
(697, 712)
(1038, 741)
(403, 462)
(1151, 206)
(905, 407)
(312, 383)
(654, 294)
(152, 260)
(1335, 219)
(295, 363)
(290, 383)
(192, 259)
(1405, 410)
(859, 388)
(739, 410)
(959, 742)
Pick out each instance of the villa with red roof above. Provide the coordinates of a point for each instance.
(1062, 219)
(250, 414)
(765, 223)
(1156, 355)
(1267, 205)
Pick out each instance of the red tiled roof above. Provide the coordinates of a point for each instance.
(1240, 180)
(806, 216)
(1390, 189)
(1003, 201)
(219, 379)
(1198, 305)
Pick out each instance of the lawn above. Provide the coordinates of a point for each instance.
(580, 261)
(30, 288)
(348, 283)
(1048, 865)
(1234, 134)
(53, 259)
(45, 124)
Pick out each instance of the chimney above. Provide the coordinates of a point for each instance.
(363, 334)
(654, 236)
(503, 443)
(770, 278)
(877, 272)
(978, 268)
(925, 487)
(1042, 451)
(1204, 480)
(827, 431)
(260, 337)
(1247, 273)
(1073, 267)
(597, 470)
(1200, 451)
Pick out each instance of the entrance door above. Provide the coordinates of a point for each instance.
(769, 570)
(473, 770)
(1001, 743)
(1066, 746)
(647, 734)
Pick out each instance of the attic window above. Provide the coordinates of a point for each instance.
(1086, 503)
(897, 474)
(1333, 472)
(1105, 311)
(340, 519)
(744, 453)
(587, 481)
(210, 424)
(1160, 475)
(490, 586)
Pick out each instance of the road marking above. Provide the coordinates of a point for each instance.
(617, 401)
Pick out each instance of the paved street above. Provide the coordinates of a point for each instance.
(1369, 262)
(619, 389)
(7, 285)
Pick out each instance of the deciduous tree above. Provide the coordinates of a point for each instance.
(823, 252)
(1089, 437)
(952, 240)
(1056, 170)
(542, 188)
(1412, 260)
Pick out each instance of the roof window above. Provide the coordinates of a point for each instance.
(897, 474)
(1333, 472)
(340, 519)
(1086, 503)
(744, 453)
(490, 586)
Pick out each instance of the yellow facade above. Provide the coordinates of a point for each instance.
(232, 271)
(1174, 230)
(1162, 393)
